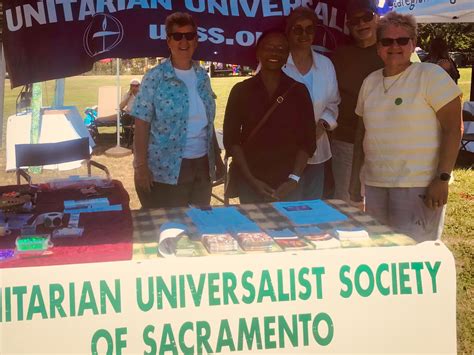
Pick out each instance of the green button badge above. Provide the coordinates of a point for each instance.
(398, 101)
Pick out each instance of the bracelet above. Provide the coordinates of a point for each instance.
(294, 177)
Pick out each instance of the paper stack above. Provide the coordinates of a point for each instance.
(218, 243)
(255, 241)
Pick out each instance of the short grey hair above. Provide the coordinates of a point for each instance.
(179, 19)
(408, 22)
(300, 13)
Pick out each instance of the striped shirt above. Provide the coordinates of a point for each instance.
(403, 135)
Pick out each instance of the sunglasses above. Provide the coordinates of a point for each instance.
(367, 17)
(178, 36)
(299, 30)
(401, 41)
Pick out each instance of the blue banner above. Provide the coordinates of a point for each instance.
(52, 39)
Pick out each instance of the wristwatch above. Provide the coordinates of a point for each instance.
(294, 177)
(444, 176)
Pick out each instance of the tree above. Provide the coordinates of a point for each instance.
(458, 36)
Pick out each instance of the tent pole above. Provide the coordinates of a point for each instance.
(472, 83)
(2, 91)
(118, 101)
(118, 151)
(59, 93)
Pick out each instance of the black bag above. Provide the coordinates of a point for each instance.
(231, 189)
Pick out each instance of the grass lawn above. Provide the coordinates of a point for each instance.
(81, 91)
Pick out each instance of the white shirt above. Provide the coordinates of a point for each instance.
(321, 83)
(196, 141)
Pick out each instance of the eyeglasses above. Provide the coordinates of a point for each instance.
(135, 85)
(401, 41)
(367, 17)
(299, 30)
(178, 36)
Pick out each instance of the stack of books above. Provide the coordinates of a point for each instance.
(255, 241)
(219, 243)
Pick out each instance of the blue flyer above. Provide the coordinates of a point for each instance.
(309, 212)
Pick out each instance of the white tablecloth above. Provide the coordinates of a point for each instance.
(57, 125)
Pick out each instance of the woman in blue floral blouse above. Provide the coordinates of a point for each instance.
(176, 153)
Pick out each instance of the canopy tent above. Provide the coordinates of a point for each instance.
(436, 11)
(46, 40)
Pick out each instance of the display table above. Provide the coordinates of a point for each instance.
(107, 235)
(373, 299)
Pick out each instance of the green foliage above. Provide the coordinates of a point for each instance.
(135, 66)
(458, 36)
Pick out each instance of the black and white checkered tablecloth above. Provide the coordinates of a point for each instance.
(147, 224)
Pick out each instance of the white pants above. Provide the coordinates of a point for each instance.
(403, 210)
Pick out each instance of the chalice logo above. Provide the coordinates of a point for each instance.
(103, 34)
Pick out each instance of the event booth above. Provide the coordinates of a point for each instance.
(82, 273)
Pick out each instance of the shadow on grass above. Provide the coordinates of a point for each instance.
(105, 141)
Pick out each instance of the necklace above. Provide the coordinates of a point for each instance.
(386, 89)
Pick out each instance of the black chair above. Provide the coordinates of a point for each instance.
(53, 153)
(220, 142)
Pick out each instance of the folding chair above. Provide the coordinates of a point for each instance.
(465, 140)
(106, 110)
(53, 153)
(223, 181)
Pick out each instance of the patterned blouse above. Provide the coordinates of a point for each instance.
(163, 101)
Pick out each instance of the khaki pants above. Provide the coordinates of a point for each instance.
(403, 210)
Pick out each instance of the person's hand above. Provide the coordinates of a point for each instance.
(360, 204)
(220, 168)
(143, 177)
(320, 129)
(284, 189)
(436, 194)
(263, 189)
(355, 194)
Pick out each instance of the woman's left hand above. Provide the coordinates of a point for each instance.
(436, 194)
(220, 168)
(320, 129)
(284, 189)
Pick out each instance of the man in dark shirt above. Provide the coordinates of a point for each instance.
(352, 63)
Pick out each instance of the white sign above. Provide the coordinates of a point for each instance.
(369, 300)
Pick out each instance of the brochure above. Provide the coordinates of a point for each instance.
(309, 212)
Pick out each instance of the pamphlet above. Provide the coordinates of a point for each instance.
(309, 212)
(221, 220)
(168, 237)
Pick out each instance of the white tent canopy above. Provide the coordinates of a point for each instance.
(437, 11)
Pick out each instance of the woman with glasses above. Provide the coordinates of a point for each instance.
(408, 136)
(268, 127)
(317, 73)
(176, 153)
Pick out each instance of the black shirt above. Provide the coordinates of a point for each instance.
(271, 152)
(352, 65)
